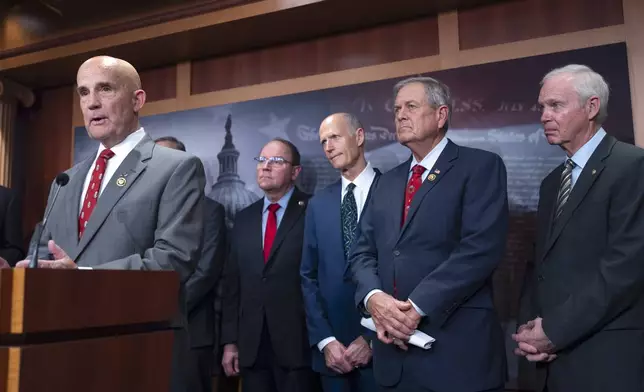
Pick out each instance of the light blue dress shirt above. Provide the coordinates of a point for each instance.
(283, 202)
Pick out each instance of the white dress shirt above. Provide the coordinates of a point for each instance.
(428, 163)
(360, 192)
(363, 184)
(120, 151)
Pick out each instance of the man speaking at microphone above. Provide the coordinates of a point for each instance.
(133, 205)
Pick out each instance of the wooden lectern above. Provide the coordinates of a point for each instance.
(89, 331)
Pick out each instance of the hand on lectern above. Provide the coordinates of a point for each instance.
(61, 260)
(3, 263)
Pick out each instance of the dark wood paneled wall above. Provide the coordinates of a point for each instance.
(160, 83)
(524, 19)
(48, 149)
(328, 54)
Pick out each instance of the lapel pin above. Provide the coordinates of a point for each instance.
(300, 203)
(437, 171)
(121, 181)
(594, 171)
(431, 177)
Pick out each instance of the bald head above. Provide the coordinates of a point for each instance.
(110, 98)
(342, 138)
(347, 120)
(120, 69)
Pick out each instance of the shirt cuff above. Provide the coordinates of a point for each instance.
(417, 308)
(324, 342)
(369, 294)
(84, 268)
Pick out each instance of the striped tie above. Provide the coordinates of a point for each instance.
(565, 186)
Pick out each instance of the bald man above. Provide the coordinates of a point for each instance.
(132, 205)
(341, 350)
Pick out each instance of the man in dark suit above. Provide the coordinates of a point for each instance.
(132, 205)
(200, 291)
(11, 249)
(586, 308)
(341, 346)
(264, 328)
(431, 237)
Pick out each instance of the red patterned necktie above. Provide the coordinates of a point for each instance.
(93, 190)
(414, 183)
(271, 230)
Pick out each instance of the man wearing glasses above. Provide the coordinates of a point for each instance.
(263, 327)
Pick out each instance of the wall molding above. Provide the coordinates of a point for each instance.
(141, 21)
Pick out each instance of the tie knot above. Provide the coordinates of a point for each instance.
(106, 154)
(272, 208)
(570, 163)
(418, 170)
(351, 187)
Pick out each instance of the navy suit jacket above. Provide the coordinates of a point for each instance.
(326, 280)
(442, 259)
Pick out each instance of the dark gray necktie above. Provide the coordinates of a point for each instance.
(349, 214)
(565, 186)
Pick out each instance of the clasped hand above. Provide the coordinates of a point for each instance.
(343, 359)
(533, 342)
(395, 320)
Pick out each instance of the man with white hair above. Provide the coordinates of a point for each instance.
(429, 240)
(585, 329)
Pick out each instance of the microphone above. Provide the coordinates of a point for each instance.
(61, 180)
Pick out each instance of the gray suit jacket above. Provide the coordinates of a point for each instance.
(152, 222)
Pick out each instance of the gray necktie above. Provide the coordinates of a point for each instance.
(565, 186)
(349, 215)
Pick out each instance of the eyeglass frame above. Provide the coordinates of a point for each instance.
(279, 161)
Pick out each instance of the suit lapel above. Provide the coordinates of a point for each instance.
(587, 178)
(72, 203)
(332, 209)
(133, 165)
(295, 208)
(549, 201)
(396, 191)
(254, 231)
(442, 166)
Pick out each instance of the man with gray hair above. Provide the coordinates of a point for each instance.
(585, 309)
(432, 270)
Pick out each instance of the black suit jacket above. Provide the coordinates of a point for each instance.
(11, 248)
(588, 284)
(201, 286)
(255, 292)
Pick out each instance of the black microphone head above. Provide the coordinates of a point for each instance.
(62, 179)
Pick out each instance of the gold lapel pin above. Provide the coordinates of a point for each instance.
(431, 177)
(121, 181)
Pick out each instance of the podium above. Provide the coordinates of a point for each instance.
(86, 330)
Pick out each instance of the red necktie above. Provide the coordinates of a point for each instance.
(414, 183)
(93, 190)
(271, 230)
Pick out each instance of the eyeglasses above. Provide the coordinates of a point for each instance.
(272, 161)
